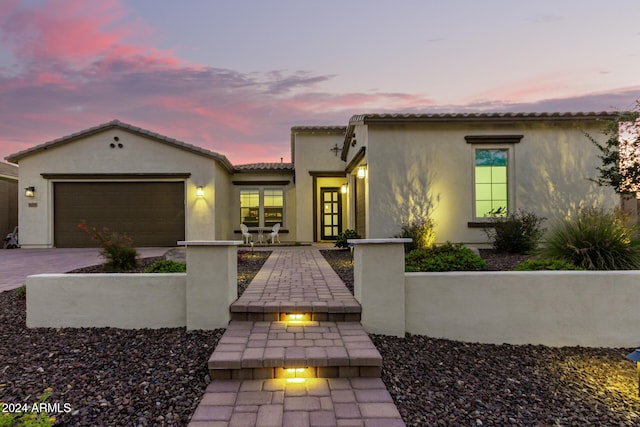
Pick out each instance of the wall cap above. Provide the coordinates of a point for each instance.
(210, 242)
(378, 241)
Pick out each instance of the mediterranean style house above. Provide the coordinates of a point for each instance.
(370, 175)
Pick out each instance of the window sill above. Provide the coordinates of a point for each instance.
(479, 224)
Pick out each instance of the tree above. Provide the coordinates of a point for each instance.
(620, 153)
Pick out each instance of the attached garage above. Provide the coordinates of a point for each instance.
(152, 213)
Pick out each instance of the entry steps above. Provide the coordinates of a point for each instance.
(264, 350)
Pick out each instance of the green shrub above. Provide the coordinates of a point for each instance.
(117, 248)
(545, 264)
(518, 232)
(167, 266)
(28, 418)
(447, 257)
(21, 292)
(421, 231)
(341, 242)
(595, 239)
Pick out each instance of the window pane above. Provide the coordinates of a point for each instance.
(491, 181)
(483, 208)
(499, 192)
(499, 174)
(483, 175)
(273, 198)
(483, 191)
(250, 208)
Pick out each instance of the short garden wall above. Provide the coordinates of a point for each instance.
(555, 308)
(128, 301)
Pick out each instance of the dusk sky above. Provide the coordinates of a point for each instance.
(235, 76)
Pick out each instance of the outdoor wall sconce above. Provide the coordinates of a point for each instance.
(343, 188)
(30, 191)
(362, 172)
(200, 191)
(635, 357)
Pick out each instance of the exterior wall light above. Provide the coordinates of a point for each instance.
(30, 191)
(200, 191)
(343, 188)
(362, 172)
(635, 357)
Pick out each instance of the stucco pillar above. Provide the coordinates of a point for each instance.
(378, 273)
(212, 284)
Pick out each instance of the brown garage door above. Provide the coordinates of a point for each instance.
(152, 213)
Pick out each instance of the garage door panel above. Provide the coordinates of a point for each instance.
(152, 213)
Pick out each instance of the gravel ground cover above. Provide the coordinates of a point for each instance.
(107, 376)
(436, 382)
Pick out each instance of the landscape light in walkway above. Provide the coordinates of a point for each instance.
(635, 357)
(30, 191)
(297, 317)
(200, 191)
(296, 375)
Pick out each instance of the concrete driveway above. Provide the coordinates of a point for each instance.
(17, 264)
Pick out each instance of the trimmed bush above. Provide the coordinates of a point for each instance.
(518, 232)
(421, 231)
(545, 264)
(117, 248)
(447, 257)
(167, 266)
(341, 242)
(595, 239)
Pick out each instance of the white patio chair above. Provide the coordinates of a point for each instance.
(274, 233)
(245, 234)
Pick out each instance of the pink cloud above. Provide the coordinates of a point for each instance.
(80, 63)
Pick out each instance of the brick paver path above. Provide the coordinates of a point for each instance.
(319, 369)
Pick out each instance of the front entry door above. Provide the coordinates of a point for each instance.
(331, 218)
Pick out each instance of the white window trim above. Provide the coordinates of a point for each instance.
(510, 148)
(261, 190)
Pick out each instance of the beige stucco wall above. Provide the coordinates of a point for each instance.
(139, 155)
(312, 153)
(416, 169)
(555, 308)
(128, 301)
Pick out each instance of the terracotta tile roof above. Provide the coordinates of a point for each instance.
(264, 167)
(462, 117)
(15, 158)
(8, 170)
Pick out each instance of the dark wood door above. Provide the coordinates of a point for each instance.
(331, 215)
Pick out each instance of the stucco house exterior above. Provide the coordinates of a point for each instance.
(369, 175)
(8, 198)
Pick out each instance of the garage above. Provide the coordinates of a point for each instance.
(152, 213)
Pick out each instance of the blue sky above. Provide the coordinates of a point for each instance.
(234, 76)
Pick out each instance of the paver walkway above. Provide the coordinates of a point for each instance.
(296, 354)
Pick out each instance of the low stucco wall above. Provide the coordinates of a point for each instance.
(128, 301)
(564, 308)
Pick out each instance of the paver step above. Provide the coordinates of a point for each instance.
(332, 311)
(259, 350)
(314, 402)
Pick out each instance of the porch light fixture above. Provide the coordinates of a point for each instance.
(635, 357)
(343, 188)
(200, 191)
(30, 191)
(362, 172)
